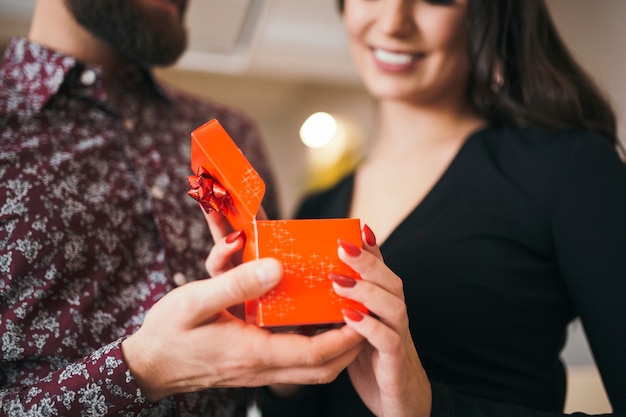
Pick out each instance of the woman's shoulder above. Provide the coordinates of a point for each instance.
(550, 149)
(542, 164)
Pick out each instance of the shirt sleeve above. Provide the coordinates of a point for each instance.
(589, 229)
(589, 234)
(99, 384)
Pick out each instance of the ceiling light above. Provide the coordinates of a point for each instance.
(318, 130)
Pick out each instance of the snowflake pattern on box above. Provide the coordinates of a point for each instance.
(306, 272)
(251, 188)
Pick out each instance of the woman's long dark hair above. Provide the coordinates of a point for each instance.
(523, 74)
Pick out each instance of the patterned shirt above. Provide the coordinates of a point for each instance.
(95, 227)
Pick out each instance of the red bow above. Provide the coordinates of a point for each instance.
(208, 192)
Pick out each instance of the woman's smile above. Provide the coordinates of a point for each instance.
(396, 61)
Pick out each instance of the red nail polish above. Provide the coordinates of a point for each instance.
(342, 280)
(232, 237)
(370, 238)
(350, 248)
(352, 314)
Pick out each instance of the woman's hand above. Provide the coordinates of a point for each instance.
(226, 253)
(387, 374)
(189, 341)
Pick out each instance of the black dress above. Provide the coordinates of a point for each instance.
(525, 231)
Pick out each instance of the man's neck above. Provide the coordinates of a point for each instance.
(54, 26)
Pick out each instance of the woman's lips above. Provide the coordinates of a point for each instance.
(394, 60)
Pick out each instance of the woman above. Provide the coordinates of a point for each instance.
(498, 197)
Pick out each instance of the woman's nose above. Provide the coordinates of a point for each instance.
(396, 17)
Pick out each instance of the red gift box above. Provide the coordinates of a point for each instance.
(225, 181)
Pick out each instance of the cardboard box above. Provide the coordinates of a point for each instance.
(226, 181)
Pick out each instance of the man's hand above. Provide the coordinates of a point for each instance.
(189, 341)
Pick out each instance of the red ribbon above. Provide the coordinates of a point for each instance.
(208, 192)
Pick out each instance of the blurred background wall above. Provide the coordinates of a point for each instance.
(282, 60)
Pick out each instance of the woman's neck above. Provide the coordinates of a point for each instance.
(405, 128)
(412, 150)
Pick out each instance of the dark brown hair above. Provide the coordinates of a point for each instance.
(523, 74)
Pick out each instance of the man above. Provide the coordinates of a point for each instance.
(96, 229)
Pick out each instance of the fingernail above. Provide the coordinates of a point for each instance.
(232, 237)
(351, 314)
(350, 248)
(268, 271)
(342, 280)
(370, 238)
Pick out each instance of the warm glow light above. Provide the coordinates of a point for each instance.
(318, 130)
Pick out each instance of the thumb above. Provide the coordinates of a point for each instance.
(244, 282)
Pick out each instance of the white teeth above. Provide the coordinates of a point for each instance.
(393, 58)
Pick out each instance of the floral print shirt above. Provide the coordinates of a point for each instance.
(95, 227)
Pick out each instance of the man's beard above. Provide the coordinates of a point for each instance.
(142, 35)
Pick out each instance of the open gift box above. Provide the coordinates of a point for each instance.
(225, 181)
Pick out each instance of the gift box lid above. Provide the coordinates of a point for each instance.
(225, 180)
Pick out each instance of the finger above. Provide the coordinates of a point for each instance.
(288, 350)
(203, 299)
(218, 224)
(398, 369)
(369, 242)
(260, 372)
(389, 309)
(321, 374)
(370, 268)
(225, 253)
(381, 337)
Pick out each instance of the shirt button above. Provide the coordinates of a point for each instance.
(88, 77)
(180, 279)
(129, 125)
(157, 192)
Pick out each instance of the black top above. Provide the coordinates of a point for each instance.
(525, 231)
